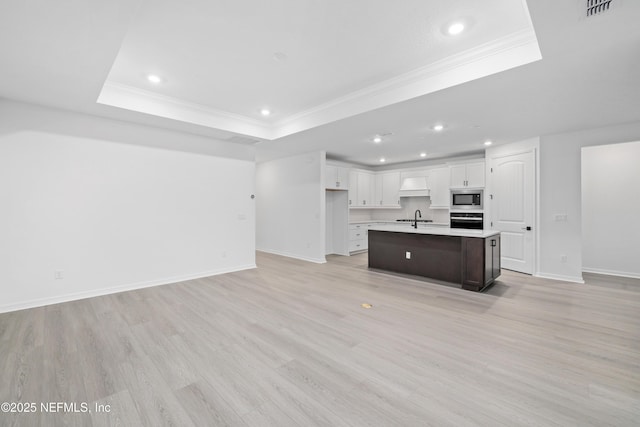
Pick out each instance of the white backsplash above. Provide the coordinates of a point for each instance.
(409, 206)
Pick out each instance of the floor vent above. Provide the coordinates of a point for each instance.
(596, 7)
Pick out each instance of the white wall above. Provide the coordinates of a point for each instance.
(560, 193)
(98, 200)
(328, 229)
(290, 206)
(610, 209)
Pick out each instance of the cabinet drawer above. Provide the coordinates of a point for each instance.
(357, 245)
(357, 234)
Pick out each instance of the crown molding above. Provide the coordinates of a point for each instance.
(148, 102)
(513, 50)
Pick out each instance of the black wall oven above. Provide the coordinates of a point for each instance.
(469, 220)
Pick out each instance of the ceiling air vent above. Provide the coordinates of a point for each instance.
(596, 7)
(242, 140)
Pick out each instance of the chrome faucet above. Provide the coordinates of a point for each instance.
(415, 218)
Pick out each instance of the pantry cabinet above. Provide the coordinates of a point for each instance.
(336, 178)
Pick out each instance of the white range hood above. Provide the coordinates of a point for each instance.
(414, 187)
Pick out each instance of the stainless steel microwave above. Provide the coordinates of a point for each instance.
(466, 199)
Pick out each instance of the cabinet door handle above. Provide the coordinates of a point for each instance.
(349, 201)
(364, 202)
(337, 184)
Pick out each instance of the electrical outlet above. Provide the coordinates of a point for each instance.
(407, 255)
(58, 274)
(563, 258)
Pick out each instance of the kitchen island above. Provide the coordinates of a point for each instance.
(470, 258)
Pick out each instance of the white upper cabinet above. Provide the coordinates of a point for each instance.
(383, 189)
(336, 177)
(458, 175)
(361, 189)
(391, 189)
(366, 184)
(387, 189)
(475, 174)
(467, 175)
(439, 188)
(353, 188)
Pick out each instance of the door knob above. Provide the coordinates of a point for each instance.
(528, 228)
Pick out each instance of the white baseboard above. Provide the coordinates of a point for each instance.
(574, 279)
(611, 272)
(39, 302)
(322, 260)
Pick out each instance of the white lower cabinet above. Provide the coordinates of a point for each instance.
(358, 240)
(359, 236)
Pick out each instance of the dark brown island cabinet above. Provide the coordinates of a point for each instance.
(470, 259)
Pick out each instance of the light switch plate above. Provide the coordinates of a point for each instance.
(407, 255)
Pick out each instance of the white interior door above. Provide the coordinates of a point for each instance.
(512, 209)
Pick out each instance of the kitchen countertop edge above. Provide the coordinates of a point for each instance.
(392, 221)
(457, 232)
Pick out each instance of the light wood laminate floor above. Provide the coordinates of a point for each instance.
(289, 344)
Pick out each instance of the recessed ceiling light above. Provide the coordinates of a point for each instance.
(265, 112)
(423, 154)
(438, 127)
(455, 28)
(488, 142)
(154, 78)
(382, 160)
(377, 139)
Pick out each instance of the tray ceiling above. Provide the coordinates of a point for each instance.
(309, 63)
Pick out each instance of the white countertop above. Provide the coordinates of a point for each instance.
(370, 221)
(393, 221)
(440, 231)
